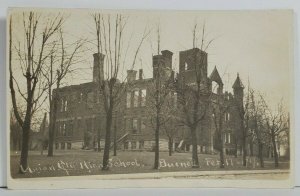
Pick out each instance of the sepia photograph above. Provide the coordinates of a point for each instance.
(127, 94)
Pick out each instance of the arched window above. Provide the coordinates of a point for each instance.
(215, 87)
(185, 66)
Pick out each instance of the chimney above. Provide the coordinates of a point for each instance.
(140, 74)
(167, 54)
(98, 73)
(131, 75)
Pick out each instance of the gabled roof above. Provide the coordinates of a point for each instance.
(238, 83)
(215, 76)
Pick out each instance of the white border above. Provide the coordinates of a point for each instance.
(147, 4)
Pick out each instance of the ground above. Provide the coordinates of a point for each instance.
(81, 162)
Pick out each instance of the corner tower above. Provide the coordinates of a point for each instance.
(238, 90)
(192, 65)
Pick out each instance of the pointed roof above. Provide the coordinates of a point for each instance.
(238, 83)
(215, 76)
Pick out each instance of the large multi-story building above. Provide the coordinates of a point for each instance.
(81, 115)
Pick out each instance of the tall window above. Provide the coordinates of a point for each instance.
(136, 99)
(141, 144)
(143, 97)
(175, 99)
(128, 100)
(133, 145)
(227, 138)
(80, 97)
(64, 129)
(215, 87)
(65, 105)
(227, 116)
(135, 125)
(129, 124)
(62, 105)
(185, 66)
(143, 126)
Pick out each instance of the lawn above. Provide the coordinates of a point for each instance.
(80, 162)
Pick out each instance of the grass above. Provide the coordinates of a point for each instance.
(80, 162)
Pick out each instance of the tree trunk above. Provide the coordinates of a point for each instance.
(244, 147)
(107, 139)
(251, 148)
(25, 145)
(52, 119)
(156, 150)
(51, 135)
(260, 154)
(275, 150)
(222, 165)
(170, 146)
(98, 141)
(115, 140)
(194, 150)
(236, 148)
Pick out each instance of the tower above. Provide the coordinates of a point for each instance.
(238, 90)
(193, 65)
(162, 64)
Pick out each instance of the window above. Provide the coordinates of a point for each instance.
(60, 129)
(129, 124)
(65, 105)
(80, 97)
(227, 116)
(136, 99)
(143, 126)
(126, 145)
(62, 146)
(135, 125)
(62, 105)
(175, 99)
(70, 128)
(69, 146)
(128, 100)
(214, 87)
(185, 66)
(64, 129)
(133, 145)
(143, 97)
(227, 138)
(141, 145)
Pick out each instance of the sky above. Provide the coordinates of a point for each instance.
(255, 44)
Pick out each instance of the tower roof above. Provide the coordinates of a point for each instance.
(215, 76)
(238, 83)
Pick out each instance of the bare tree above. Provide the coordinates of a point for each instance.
(159, 96)
(219, 110)
(109, 34)
(32, 59)
(61, 61)
(194, 98)
(256, 113)
(171, 124)
(277, 123)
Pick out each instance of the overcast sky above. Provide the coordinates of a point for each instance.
(255, 44)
